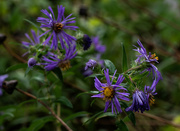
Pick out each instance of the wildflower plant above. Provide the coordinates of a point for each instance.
(52, 51)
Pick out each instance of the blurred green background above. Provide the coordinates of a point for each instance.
(155, 22)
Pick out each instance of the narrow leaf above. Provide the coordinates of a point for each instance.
(32, 23)
(24, 102)
(37, 124)
(132, 118)
(92, 118)
(93, 75)
(58, 73)
(78, 114)
(124, 60)
(27, 71)
(63, 100)
(121, 126)
(17, 66)
(106, 114)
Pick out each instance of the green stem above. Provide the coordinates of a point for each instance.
(134, 68)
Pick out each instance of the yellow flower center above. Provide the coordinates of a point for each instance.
(108, 93)
(58, 27)
(64, 65)
(153, 56)
(151, 100)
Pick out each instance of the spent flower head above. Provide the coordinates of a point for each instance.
(110, 92)
(140, 102)
(57, 26)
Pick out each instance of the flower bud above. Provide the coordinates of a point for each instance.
(90, 64)
(31, 62)
(86, 42)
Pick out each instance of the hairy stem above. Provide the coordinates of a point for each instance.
(52, 112)
(134, 68)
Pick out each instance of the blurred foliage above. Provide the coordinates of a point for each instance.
(155, 22)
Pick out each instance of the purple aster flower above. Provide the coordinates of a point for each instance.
(151, 91)
(149, 58)
(140, 102)
(98, 46)
(32, 42)
(31, 62)
(57, 27)
(53, 61)
(90, 64)
(111, 92)
(2, 78)
(86, 42)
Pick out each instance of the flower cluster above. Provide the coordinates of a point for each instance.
(141, 99)
(58, 47)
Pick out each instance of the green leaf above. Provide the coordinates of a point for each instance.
(92, 118)
(32, 23)
(88, 92)
(131, 116)
(124, 60)
(106, 114)
(27, 71)
(24, 102)
(75, 115)
(140, 76)
(93, 75)
(93, 92)
(63, 100)
(8, 114)
(58, 73)
(39, 123)
(81, 94)
(93, 101)
(17, 66)
(110, 66)
(121, 126)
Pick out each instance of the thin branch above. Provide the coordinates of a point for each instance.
(13, 54)
(147, 11)
(52, 112)
(160, 119)
(147, 41)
